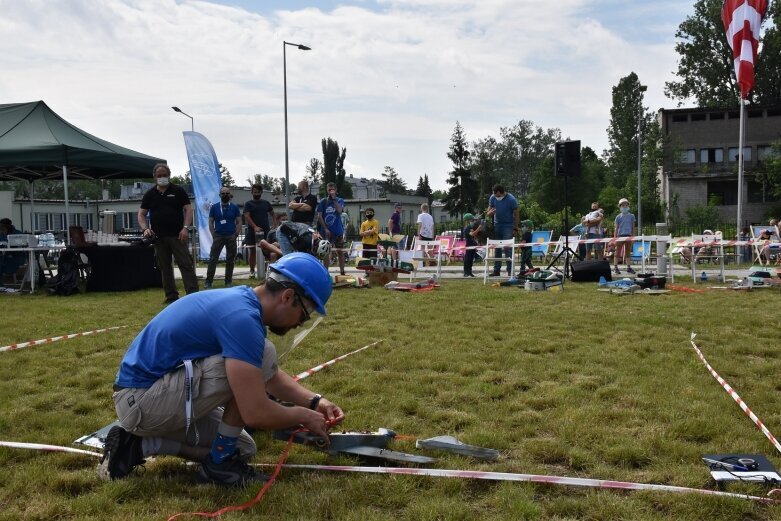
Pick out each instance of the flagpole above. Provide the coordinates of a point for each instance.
(740, 162)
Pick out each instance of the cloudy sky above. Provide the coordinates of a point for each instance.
(388, 79)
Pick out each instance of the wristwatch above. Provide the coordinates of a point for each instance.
(315, 401)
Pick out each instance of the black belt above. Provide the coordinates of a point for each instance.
(118, 388)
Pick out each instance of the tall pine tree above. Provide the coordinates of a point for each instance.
(462, 195)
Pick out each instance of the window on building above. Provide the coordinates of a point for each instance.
(698, 117)
(681, 118)
(716, 115)
(711, 155)
(734, 115)
(756, 113)
(757, 192)
(732, 154)
(686, 157)
(723, 192)
(764, 152)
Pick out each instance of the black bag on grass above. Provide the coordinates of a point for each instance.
(66, 282)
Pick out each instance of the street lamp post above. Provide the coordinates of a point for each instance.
(643, 88)
(192, 122)
(284, 81)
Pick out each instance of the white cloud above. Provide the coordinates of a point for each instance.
(388, 83)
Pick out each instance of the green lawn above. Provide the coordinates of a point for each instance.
(576, 383)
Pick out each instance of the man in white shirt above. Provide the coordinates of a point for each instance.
(425, 224)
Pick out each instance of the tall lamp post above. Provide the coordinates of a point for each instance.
(284, 80)
(192, 122)
(643, 88)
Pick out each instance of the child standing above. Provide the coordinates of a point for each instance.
(526, 251)
(624, 227)
(370, 234)
(469, 234)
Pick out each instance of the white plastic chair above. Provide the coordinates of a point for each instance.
(490, 255)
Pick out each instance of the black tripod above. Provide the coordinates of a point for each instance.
(566, 251)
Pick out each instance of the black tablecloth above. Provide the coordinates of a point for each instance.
(121, 268)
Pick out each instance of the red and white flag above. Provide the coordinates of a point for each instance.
(742, 20)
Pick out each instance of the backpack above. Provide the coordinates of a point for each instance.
(66, 282)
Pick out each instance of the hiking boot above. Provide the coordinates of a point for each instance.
(233, 472)
(121, 454)
(630, 270)
(617, 271)
(495, 274)
(170, 300)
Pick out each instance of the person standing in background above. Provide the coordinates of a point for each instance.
(170, 217)
(259, 217)
(304, 205)
(224, 225)
(503, 207)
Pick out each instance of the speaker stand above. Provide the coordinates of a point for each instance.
(566, 251)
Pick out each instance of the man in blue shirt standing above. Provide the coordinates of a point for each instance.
(224, 225)
(202, 370)
(504, 209)
(329, 216)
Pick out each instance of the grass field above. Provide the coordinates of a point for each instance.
(577, 383)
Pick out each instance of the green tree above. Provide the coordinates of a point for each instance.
(523, 148)
(225, 176)
(463, 192)
(332, 168)
(392, 183)
(313, 169)
(705, 65)
(626, 114)
(486, 158)
(424, 189)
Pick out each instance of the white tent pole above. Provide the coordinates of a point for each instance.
(740, 162)
(67, 207)
(32, 207)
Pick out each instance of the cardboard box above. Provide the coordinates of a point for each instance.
(380, 278)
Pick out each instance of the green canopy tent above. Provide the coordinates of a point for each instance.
(37, 144)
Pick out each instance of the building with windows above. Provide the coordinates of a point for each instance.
(701, 160)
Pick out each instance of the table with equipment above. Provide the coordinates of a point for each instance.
(120, 267)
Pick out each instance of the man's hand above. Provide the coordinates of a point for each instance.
(315, 422)
(184, 235)
(330, 411)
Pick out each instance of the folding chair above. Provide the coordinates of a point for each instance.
(424, 252)
(459, 250)
(715, 250)
(541, 240)
(356, 251)
(491, 255)
(445, 248)
(641, 251)
(758, 245)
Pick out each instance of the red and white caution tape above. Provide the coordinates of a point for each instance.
(736, 397)
(47, 448)
(533, 478)
(56, 338)
(320, 367)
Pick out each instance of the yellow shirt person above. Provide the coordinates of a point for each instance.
(370, 229)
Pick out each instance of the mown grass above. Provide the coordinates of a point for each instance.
(577, 383)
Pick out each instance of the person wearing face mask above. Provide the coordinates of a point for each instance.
(202, 370)
(170, 216)
(592, 222)
(370, 235)
(503, 207)
(624, 227)
(259, 216)
(224, 225)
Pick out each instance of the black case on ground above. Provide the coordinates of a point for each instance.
(590, 270)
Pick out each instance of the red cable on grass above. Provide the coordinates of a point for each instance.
(253, 501)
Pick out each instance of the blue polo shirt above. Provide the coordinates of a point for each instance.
(332, 220)
(504, 209)
(225, 321)
(224, 218)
